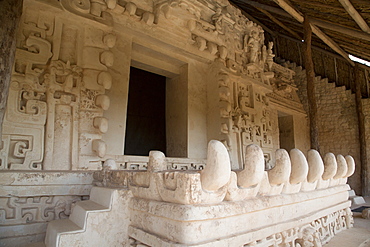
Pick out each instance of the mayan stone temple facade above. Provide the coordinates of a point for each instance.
(224, 177)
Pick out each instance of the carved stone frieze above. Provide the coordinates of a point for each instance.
(284, 90)
(57, 94)
(21, 210)
(316, 234)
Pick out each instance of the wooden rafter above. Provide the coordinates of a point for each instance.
(319, 5)
(341, 29)
(326, 39)
(316, 21)
(282, 25)
(265, 7)
(355, 15)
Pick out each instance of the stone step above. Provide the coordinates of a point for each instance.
(102, 196)
(57, 227)
(100, 201)
(81, 210)
(357, 201)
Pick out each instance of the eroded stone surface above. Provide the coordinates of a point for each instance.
(67, 110)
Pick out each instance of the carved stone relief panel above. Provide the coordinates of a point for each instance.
(26, 114)
(54, 119)
(244, 117)
(229, 36)
(21, 210)
(284, 90)
(251, 119)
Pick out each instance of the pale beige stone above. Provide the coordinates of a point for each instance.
(342, 167)
(99, 147)
(71, 80)
(316, 166)
(299, 166)
(254, 164)
(330, 166)
(351, 165)
(110, 164)
(216, 174)
(101, 123)
(281, 172)
(157, 161)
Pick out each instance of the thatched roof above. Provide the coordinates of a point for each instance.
(340, 26)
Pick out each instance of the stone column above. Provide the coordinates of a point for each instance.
(10, 12)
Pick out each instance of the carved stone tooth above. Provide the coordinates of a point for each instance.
(110, 164)
(282, 169)
(254, 166)
(192, 24)
(102, 101)
(105, 79)
(351, 165)
(101, 123)
(299, 166)
(341, 167)
(99, 147)
(97, 7)
(202, 43)
(212, 47)
(111, 4)
(315, 166)
(225, 109)
(223, 52)
(330, 166)
(110, 40)
(218, 169)
(131, 8)
(107, 58)
(157, 161)
(148, 18)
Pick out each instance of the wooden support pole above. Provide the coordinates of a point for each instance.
(311, 95)
(365, 177)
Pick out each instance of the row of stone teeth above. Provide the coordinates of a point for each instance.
(292, 167)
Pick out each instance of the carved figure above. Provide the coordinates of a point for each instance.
(217, 20)
(252, 45)
(270, 56)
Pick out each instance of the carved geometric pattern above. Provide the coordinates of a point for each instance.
(21, 210)
(317, 233)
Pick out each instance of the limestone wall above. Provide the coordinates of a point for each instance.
(366, 111)
(69, 88)
(338, 125)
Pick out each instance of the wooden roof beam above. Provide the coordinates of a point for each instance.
(265, 7)
(355, 15)
(318, 22)
(282, 25)
(326, 39)
(340, 29)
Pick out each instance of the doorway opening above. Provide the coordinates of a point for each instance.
(146, 113)
(286, 131)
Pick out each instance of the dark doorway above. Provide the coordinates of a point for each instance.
(146, 113)
(286, 131)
